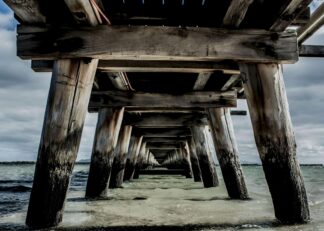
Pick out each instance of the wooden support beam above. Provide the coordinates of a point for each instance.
(117, 171)
(106, 136)
(208, 171)
(165, 119)
(289, 14)
(165, 139)
(157, 43)
(184, 152)
(164, 146)
(231, 81)
(83, 12)
(227, 153)
(64, 118)
(150, 66)
(133, 151)
(164, 132)
(27, 12)
(236, 12)
(316, 21)
(202, 80)
(158, 100)
(194, 161)
(140, 159)
(274, 136)
(311, 51)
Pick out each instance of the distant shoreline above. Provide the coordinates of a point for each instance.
(86, 162)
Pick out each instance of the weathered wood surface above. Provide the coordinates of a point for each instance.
(83, 12)
(164, 132)
(133, 152)
(27, 11)
(165, 119)
(150, 66)
(231, 81)
(311, 51)
(236, 12)
(194, 161)
(291, 11)
(202, 80)
(227, 152)
(208, 171)
(316, 21)
(185, 155)
(117, 171)
(158, 100)
(165, 139)
(157, 43)
(140, 160)
(106, 136)
(274, 136)
(159, 145)
(64, 118)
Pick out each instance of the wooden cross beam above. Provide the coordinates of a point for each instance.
(164, 146)
(163, 132)
(165, 139)
(157, 43)
(158, 100)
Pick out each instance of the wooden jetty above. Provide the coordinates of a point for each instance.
(162, 76)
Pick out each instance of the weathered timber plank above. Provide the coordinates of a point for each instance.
(157, 43)
(165, 139)
(150, 66)
(157, 100)
(63, 123)
(274, 136)
(133, 151)
(83, 12)
(106, 136)
(227, 152)
(315, 22)
(164, 132)
(230, 82)
(201, 81)
(289, 14)
(311, 51)
(165, 119)
(194, 161)
(162, 146)
(28, 11)
(236, 12)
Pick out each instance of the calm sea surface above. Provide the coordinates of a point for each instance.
(153, 201)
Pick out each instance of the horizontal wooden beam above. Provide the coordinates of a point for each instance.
(311, 51)
(157, 43)
(165, 119)
(165, 139)
(157, 100)
(164, 146)
(150, 66)
(163, 132)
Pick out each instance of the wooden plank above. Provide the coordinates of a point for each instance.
(303, 18)
(274, 136)
(202, 80)
(289, 14)
(165, 139)
(83, 12)
(164, 132)
(63, 123)
(150, 66)
(164, 146)
(311, 51)
(236, 12)
(157, 100)
(28, 12)
(230, 82)
(315, 22)
(157, 43)
(165, 119)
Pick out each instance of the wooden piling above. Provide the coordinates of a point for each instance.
(66, 108)
(273, 131)
(139, 161)
(194, 161)
(134, 148)
(207, 167)
(227, 152)
(117, 173)
(106, 136)
(186, 160)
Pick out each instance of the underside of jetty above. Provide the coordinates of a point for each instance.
(164, 77)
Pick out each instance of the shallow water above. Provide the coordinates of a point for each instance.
(152, 201)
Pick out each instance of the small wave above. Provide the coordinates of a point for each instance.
(16, 181)
(18, 188)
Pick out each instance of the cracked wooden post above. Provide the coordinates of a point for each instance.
(139, 161)
(65, 113)
(117, 172)
(273, 131)
(207, 167)
(227, 153)
(106, 136)
(194, 161)
(134, 148)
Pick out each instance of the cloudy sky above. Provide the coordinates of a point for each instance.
(23, 95)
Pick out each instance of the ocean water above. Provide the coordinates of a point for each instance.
(160, 203)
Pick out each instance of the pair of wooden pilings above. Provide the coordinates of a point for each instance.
(68, 99)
